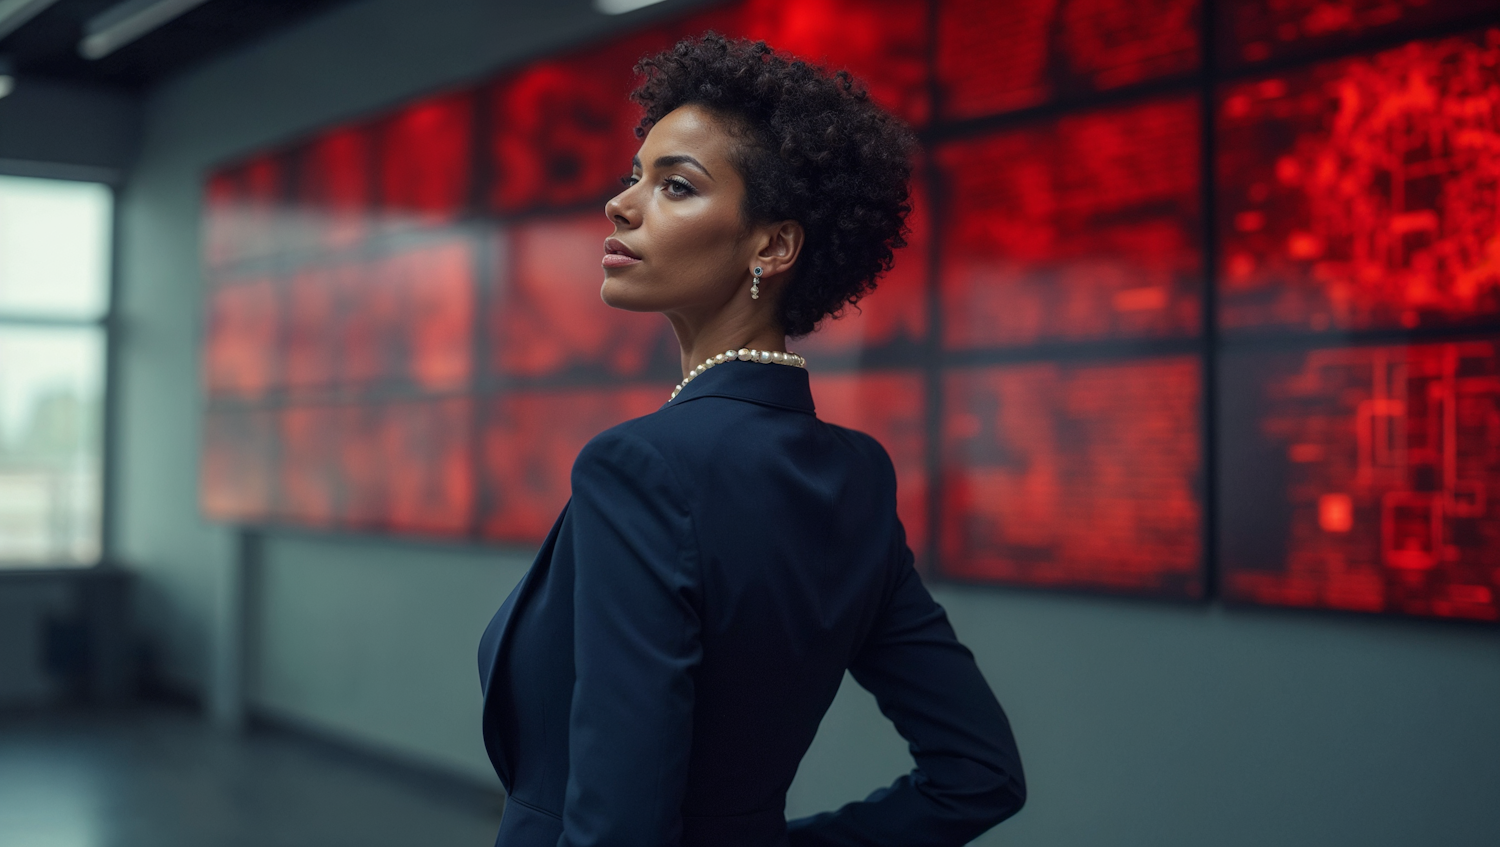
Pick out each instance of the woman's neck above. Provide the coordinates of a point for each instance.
(727, 333)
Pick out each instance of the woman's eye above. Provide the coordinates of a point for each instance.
(678, 187)
(629, 180)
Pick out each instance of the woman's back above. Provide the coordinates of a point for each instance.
(797, 532)
(721, 564)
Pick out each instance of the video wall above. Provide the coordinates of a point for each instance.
(1200, 299)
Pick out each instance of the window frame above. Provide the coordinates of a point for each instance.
(106, 323)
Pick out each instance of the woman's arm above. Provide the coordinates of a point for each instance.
(968, 773)
(636, 645)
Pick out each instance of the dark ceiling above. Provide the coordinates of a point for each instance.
(47, 45)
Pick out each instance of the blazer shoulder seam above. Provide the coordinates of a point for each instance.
(625, 433)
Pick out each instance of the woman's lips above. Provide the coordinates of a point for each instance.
(617, 255)
(619, 260)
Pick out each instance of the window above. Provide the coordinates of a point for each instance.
(55, 250)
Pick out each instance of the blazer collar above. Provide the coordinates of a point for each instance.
(768, 384)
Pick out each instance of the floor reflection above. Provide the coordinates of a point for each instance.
(160, 778)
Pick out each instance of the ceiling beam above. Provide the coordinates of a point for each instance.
(15, 13)
(119, 25)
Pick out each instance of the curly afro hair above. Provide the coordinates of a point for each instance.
(813, 148)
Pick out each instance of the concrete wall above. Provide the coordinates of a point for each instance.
(1140, 722)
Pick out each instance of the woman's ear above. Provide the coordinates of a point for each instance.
(781, 244)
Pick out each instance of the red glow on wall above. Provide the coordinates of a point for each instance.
(1388, 462)
(529, 443)
(235, 475)
(334, 192)
(896, 312)
(892, 407)
(997, 57)
(1074, 475)
(1361, 193)
(1081, 228)
(1255, 30)
(425, 167)
(241, 209)
(240, 338)
(546, 316)
(402, 467)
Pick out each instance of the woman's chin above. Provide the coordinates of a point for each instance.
(618, 294)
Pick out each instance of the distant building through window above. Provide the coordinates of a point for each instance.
(55, 249)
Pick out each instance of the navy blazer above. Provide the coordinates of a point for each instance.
(658, 674)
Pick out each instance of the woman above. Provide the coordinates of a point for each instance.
(658, 674)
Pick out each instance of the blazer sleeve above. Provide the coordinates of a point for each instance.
(636, 647)
(968, 773)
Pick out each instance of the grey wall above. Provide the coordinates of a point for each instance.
(67, 129)
(1140, 723)
(1152, 725)
(25, 606)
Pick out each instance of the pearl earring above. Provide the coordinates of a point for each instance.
(755, 285)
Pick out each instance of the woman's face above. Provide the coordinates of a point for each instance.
(680, 243)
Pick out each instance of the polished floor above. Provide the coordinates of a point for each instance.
(147, 777)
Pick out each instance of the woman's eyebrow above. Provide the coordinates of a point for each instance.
(679, 159)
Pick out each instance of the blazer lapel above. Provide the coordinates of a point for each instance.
(492, 648)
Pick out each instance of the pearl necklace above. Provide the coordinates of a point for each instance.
(773, 357)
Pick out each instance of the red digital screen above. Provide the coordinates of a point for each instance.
(315, 348)
(1081, 228)
(530, 440)
(235, 477)
(890, 405)
(240, 338)
(403, 319)
(242, 209)
(997, 57)
(1074, 475)
(404, 331)
(370, 321)
(435, 286)
(564, 128)
(1255, 30)
(334, 191)
(896, 312)
(1364, 478)
(425, 160)
(312, 490)
(1360, 194)
(394, 466)
(546, 316)
(883, 43)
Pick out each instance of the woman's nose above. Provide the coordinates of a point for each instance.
(619, 211)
